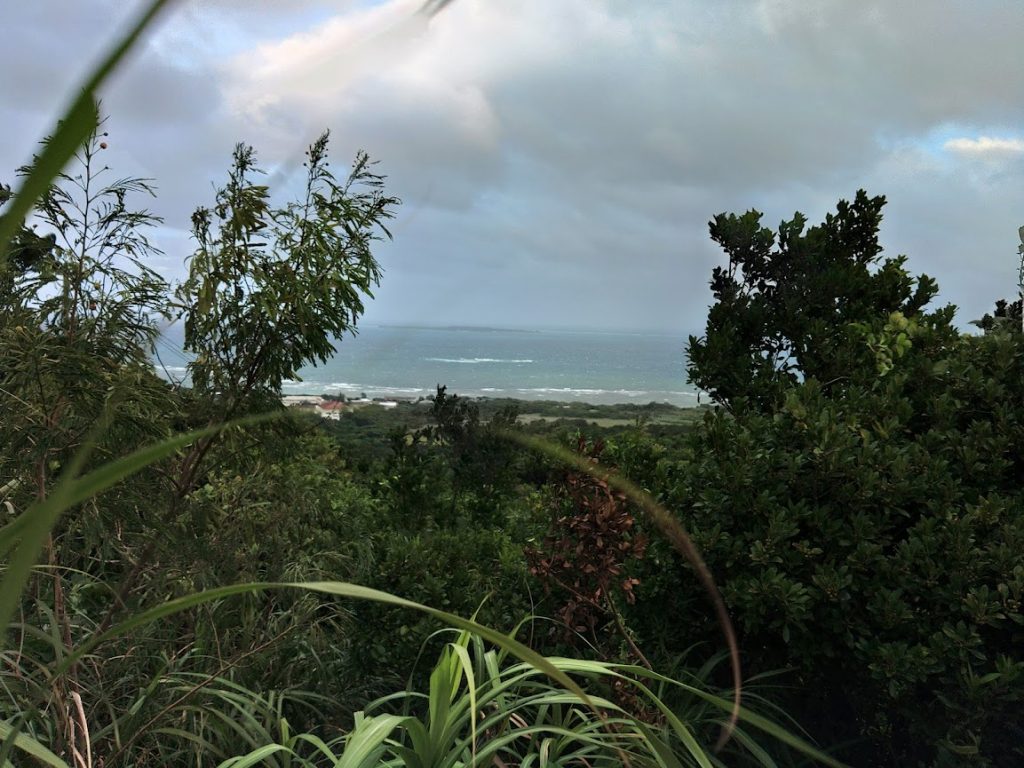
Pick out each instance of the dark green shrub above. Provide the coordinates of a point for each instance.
(887, 566)
(862, 510)
(463, 570)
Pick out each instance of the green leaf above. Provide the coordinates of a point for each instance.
(255, 757)
(364, 743)
(30, 746)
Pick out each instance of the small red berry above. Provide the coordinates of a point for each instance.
(103, 145)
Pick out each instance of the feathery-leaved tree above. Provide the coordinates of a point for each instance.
(79, 305)
(270, 288)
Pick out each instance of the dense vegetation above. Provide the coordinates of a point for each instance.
(440, 508)
(855, 493)
(859, 494)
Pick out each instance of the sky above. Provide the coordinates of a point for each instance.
(559, 160)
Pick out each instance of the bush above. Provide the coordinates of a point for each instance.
(863, 513)
(464, 571)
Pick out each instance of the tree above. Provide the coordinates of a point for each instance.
(25, 253)
(586, 556)
(864, 516)
(1020, 276)
(78, 313)
(1005, 318)
(79, 308)
(785, 312)
(1008, 316)
(270, 289)
(479, 457)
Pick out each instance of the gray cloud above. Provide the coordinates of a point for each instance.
(560, 161)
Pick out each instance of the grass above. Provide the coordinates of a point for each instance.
(482, 710)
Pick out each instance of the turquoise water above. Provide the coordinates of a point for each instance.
(592, 367)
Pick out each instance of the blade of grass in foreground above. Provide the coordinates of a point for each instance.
(675, 533)
(338, 589)
(29, 746)
(73, 128)
(27, 534)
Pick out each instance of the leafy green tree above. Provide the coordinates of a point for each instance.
(414, 480)
(457, 468)
(271, 288)
(785, 303)
(865, 520)
(1006, 317)
(79, 313)
(25, 252)
(480, 459)
(79, 308)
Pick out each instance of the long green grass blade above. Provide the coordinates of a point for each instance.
(27, 534)
(321, 746)
(205, 745)
(755, 749)
(633, 674)
(79, 120)
(30, 746)
(338, 589)
(467, 670)
(364, 744)
(255, 757)
(665, 756)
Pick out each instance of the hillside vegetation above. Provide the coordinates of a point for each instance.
(187, 571)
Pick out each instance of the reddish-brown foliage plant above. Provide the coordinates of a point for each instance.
(591, 540)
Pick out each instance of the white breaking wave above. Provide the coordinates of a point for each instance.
(581, 392)
(376, 390)
(472, 360)
(595, 395)
(313, 386)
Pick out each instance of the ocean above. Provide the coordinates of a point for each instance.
(568, 366)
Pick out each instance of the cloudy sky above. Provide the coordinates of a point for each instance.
(559, 159)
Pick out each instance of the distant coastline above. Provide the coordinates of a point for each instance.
(470, 328)
(608, 414)
(389, 362)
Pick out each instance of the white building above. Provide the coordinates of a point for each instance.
(331, 409)
(290, 400)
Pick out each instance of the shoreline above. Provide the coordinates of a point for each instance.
(568, 395)
(409, 400)
(529, 411)
(584, 396)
